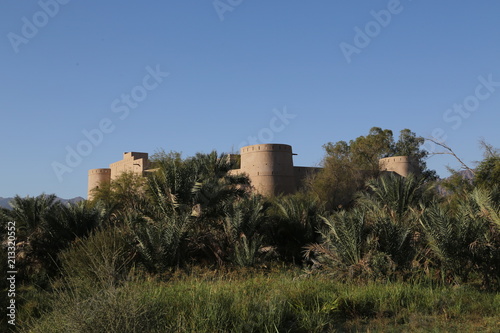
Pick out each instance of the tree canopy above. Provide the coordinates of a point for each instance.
(346, 166)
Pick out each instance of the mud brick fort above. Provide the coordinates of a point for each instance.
(269, 167)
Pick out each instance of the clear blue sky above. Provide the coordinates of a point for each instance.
(231, 70)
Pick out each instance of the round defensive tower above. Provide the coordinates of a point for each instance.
(97, 177)
(269, 167)
(402, 165)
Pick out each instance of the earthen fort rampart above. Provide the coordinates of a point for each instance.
(269, 167)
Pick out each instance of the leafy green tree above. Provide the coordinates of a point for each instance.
(458, 183)
(409, 144)
(366, 151)
(4, 218)
(487, 174)
(122, 195)
(455, 188)
(101, 260)
(339, 179)
(347, 166)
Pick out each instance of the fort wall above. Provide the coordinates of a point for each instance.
(96, 178)
(132, 162)
(301, 174)
(402, 165)
(269, 167)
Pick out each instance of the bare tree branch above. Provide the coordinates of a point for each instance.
(489, 150)
(450, 152)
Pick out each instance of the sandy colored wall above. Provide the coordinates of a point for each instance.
(301, 173)
(132, 162)
(96, 178)
(269, 167)
(401, 165)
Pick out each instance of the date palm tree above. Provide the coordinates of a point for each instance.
(30, 212)
(295, 224)
(244, 220)
(393, 205)
(202, 187)
(346, 245)
(47, 226)
(465, 241)
(380, 235)
(215, 186)
(170, 185)
(160, 243)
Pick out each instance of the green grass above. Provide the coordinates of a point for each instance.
(284, 301)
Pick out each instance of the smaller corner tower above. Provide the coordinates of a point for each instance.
(96, 178)
(132, 162)
(402, 165)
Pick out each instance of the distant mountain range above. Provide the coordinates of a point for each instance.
(466, 174)
(4, 202)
